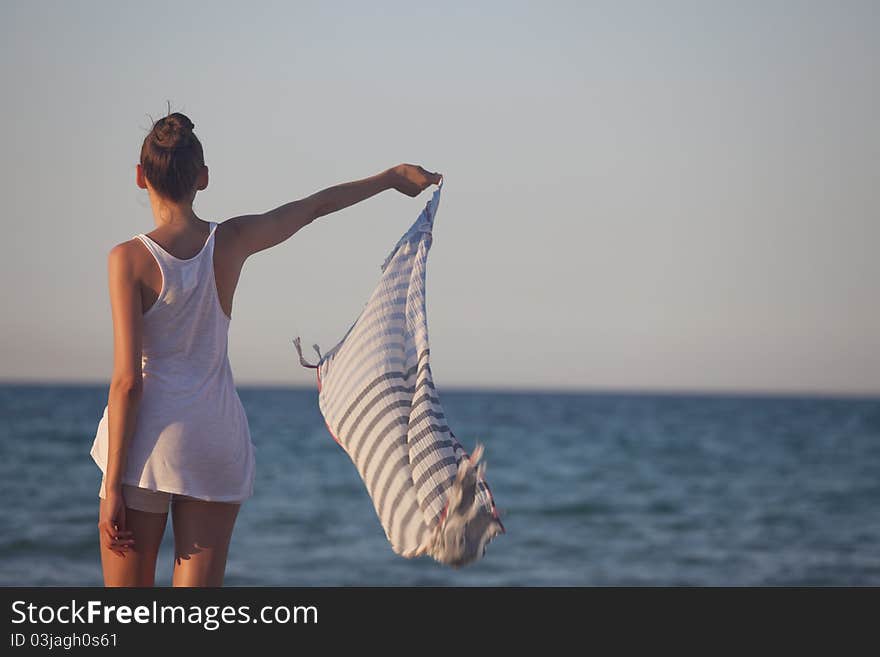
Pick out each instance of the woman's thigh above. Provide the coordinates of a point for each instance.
(138, 566)
(202, 531)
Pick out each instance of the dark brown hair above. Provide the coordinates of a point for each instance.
(172, 157)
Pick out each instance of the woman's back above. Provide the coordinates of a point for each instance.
(174, 437)
(191, 435)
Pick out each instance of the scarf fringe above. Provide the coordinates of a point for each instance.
(302, 360)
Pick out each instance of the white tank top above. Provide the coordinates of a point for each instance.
(191, 435)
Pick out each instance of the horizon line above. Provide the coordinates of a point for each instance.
(515, 390)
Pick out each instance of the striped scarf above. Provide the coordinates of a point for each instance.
(379, 402)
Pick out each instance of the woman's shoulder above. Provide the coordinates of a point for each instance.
(227, 243)
(125, 252)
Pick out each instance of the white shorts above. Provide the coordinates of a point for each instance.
(151, 501)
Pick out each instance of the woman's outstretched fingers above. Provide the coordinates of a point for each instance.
(109, 540)
(431, 176)
(413, 179)
(123, 540)
(118, 542)
(133, 564)
(112, 524)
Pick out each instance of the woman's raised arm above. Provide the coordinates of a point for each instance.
(256, 232)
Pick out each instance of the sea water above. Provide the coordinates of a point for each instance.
(593, 489)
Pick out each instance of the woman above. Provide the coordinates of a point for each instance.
(174, 434)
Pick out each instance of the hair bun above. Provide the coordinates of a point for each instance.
(173, 131)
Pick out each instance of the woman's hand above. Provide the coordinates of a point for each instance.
(411, 179)
(111, 524)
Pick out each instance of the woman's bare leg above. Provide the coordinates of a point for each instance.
(138, 566)
(202, 531)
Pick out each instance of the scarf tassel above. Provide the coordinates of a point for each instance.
(302, 360)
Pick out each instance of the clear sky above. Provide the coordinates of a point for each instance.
(642, 196)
